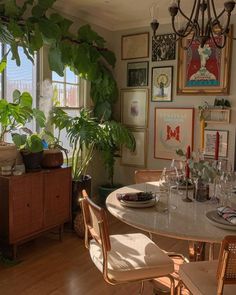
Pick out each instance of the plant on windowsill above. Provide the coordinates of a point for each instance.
(12, 116)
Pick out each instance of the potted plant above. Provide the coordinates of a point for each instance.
(83, 133)
(13, 115)
(31, 144)
(114, 136)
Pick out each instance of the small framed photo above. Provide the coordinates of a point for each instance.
(162, 83)
(209, 142)
(164, 47)
(137, 74)
(134, 107)
(135, 46)
(138, 157)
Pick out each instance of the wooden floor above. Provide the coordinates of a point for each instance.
(47, 266)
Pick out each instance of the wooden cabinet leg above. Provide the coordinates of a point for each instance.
(61, 230)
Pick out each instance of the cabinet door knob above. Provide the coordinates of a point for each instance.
(28, 205)
(57, 196)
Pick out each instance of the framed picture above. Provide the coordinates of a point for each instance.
(209, 143)
(204, 70)
(134, 107)
(173, 130)
(138, 157)
(164, 47)
(137, 74)
(135, 46)
(162, 83)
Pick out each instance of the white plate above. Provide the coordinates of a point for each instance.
(219, 221)
(139, 204)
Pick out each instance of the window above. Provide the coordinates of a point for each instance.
(69, 90)
(23, 78)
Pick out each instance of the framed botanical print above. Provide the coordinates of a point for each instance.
(138, 157)
(164, 47)
(209, 142)
(135, 46)
(204, 70)
(162, 83)
(173, 130)
(137, 74)
(134, 107)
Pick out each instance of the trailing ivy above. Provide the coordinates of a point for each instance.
(34, 23)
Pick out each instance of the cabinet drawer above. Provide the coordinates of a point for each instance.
(26, 203)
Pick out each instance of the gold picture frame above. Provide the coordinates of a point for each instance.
(135, 46)
(134, 107)
(203, 71)
(137, 158)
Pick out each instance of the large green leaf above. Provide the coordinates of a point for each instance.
(46, 3)
(15, 53)
(109, 57)
(36, 41)
(26, 100)
(86, 34)
(34, 144)
(11, 9)
(16, 95)
(15, 29)
(49, 29)
(38, 11)
(39, 117)
(19, 139)
(55, 61)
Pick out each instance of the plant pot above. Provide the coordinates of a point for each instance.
(8, 154)
(104, 191)
(52, 158)
(32, 161)
(77, 216)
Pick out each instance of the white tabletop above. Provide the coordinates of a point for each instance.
(187, 221)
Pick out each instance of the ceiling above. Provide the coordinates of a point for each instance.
(120, 14)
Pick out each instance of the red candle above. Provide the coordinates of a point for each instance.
(187, 170)
(217, 143)
(188, 152)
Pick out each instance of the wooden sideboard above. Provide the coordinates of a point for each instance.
(33, 203)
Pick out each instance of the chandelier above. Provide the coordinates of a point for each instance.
(203, 23)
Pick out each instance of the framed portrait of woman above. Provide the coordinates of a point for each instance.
(162, 83)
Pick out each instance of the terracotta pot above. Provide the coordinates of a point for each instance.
(52, 158)
(32, 161)
(8, 154)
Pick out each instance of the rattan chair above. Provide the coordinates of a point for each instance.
(212, 277)
(141, 176)
(122, 258)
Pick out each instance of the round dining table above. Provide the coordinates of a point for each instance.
(183, 220)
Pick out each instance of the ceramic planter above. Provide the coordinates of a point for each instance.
(32, 161)
(8, 154)
(52, 158)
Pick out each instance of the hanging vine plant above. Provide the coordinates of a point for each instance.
(35, 23)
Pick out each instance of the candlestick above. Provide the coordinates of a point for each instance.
(187, 171)
(217, 143)
(202, 127)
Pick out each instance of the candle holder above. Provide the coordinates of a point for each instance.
(187, 199)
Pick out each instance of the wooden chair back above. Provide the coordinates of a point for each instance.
(226, 272)
(141, 176)
(96, 223)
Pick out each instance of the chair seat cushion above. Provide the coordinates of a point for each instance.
(200, 278)
(132, 257)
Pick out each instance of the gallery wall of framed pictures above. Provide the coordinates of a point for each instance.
(153, 72)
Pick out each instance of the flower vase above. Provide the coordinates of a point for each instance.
(201, 193)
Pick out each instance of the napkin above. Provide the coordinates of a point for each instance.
(228, 214)
(136, 197)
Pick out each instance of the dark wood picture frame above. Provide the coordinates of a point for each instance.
(137, 74)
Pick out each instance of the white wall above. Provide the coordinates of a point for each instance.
(125, 174)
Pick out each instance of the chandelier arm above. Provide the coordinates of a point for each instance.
(185, 32)
(192, 13)
(216, 43)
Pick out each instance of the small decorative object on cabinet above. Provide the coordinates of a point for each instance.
(33, 203)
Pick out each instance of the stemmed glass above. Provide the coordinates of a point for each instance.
(171, 178)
